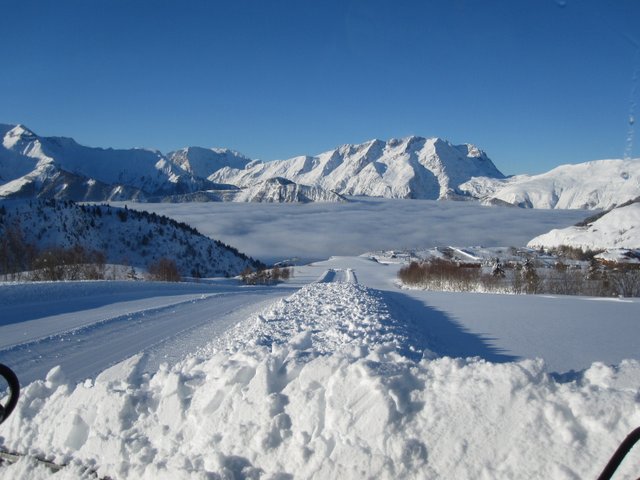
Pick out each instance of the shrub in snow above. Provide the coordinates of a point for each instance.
(164, 270)
(16, 254)
(596, 279)
(264, 276)
(625, 281)
(73, 263)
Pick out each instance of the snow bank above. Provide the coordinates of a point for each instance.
(276, 414)
(315, 387)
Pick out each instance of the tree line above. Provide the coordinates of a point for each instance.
(22, 260)
(596, 279)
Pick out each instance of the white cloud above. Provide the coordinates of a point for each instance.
(317, 231)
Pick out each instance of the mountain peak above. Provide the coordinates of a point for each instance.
(411, 167)
(21, 129)
(17, 133)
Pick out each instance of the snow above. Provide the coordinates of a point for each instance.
(86, 326)
(279, 190)
(24, 154)
(413, 167)
(125, 237)
(202, 162)
(336, 374)
(617, 229)
(600, 184)
(279, 415)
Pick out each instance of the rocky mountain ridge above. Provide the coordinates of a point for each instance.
(414, 167)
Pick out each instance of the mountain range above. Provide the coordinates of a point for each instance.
(32, 166)
(412, 167)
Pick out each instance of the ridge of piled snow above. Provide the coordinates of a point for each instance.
(322, 318)
(617, 229)
(600, 184)
(412, 167)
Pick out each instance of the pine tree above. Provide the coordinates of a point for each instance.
(593, 273)
(497, 270)
(530, 277)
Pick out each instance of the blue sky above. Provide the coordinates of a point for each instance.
(533, 83)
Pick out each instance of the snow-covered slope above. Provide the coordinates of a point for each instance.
(281, 190)
(590, 185)
(619, 228)
(56, 167)
(412, 167)
(49, 181)
(125, 236)
(273, 190)
(202, 162)
(59, 167)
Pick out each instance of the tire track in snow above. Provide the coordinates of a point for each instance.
(131, 315)
(85, 351)
(339, 275)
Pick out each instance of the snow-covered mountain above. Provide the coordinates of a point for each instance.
(55, 167)
(412, 167)
(590, 185)
(58, 167)
(202, 162)
(617, 229)
(273, 190)
(125, 236)
(281, 190)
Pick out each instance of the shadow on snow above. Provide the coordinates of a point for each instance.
(430, 330)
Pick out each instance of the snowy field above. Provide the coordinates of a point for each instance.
(337, 373)
(316, 231)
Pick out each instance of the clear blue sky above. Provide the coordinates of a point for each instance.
(534, 83)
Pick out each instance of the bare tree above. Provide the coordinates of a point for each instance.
(164, 270)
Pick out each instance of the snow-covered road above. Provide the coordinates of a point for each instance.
(338, 275)
(99, 324)
(88, 326)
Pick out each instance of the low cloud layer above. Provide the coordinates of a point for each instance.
(273, 232)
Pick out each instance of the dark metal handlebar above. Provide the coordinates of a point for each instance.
(621, 452)
(14, 392)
